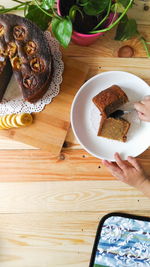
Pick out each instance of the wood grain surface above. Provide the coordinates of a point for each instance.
(49, 127)
(52, 222)
(73, 163)
(70, 165)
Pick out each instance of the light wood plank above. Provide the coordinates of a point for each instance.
(138, 13)
(36, 165)
(6, 144)
(137, 66)
(55, 239)
(47, 240)
(82, 196)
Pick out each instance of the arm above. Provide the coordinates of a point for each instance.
(129, 172)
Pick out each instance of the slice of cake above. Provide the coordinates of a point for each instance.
(115, 129)
(110, 99)
(24, 44)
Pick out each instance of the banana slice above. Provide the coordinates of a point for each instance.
(2, 124)
(14, 122)
(5, 122)
(8, 119)
(24, 119)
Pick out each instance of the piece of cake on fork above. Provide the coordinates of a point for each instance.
(108, 101)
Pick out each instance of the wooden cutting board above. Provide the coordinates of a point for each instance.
(50, 126)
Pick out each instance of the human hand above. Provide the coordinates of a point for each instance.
(129, 172)
(143, 108)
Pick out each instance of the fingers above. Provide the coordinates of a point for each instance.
(139, 106)
(147, 97)
(120, 162)
(134, 163)
(111, 165)
(113, 168)
(142, 116)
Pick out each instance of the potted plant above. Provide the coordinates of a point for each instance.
(83, 21)
(91, 18)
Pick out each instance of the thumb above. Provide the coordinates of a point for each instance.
(143, 117)
(147, 97)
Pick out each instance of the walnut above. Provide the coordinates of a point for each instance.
(37, 64)
(30, 48)
(11, 49)
(30, 81)
(1, 29)
(16, 63)
(3, 54)
(19, 32)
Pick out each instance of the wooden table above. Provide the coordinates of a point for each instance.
(52, 222)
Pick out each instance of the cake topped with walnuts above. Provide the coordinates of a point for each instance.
(24, 51)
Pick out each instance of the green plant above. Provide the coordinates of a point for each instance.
(44, 13)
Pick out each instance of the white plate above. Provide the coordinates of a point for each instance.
(85, 117)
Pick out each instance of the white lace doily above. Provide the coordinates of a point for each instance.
(13, 101)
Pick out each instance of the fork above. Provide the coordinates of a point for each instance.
(119, 113)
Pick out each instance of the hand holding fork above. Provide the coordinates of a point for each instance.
(142, 107)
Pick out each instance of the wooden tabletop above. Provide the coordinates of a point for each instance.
(50, 206)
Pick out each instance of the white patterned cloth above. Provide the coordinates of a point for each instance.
(123, 242)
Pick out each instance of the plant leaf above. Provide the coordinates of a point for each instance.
(127, 28)
(95, 7)
(117, 8)
(83, 2)
(124, 2)
(48, 4)
(38, 17)
(62, 29)
(72, 12)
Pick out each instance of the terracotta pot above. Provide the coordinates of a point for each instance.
(86, 39)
